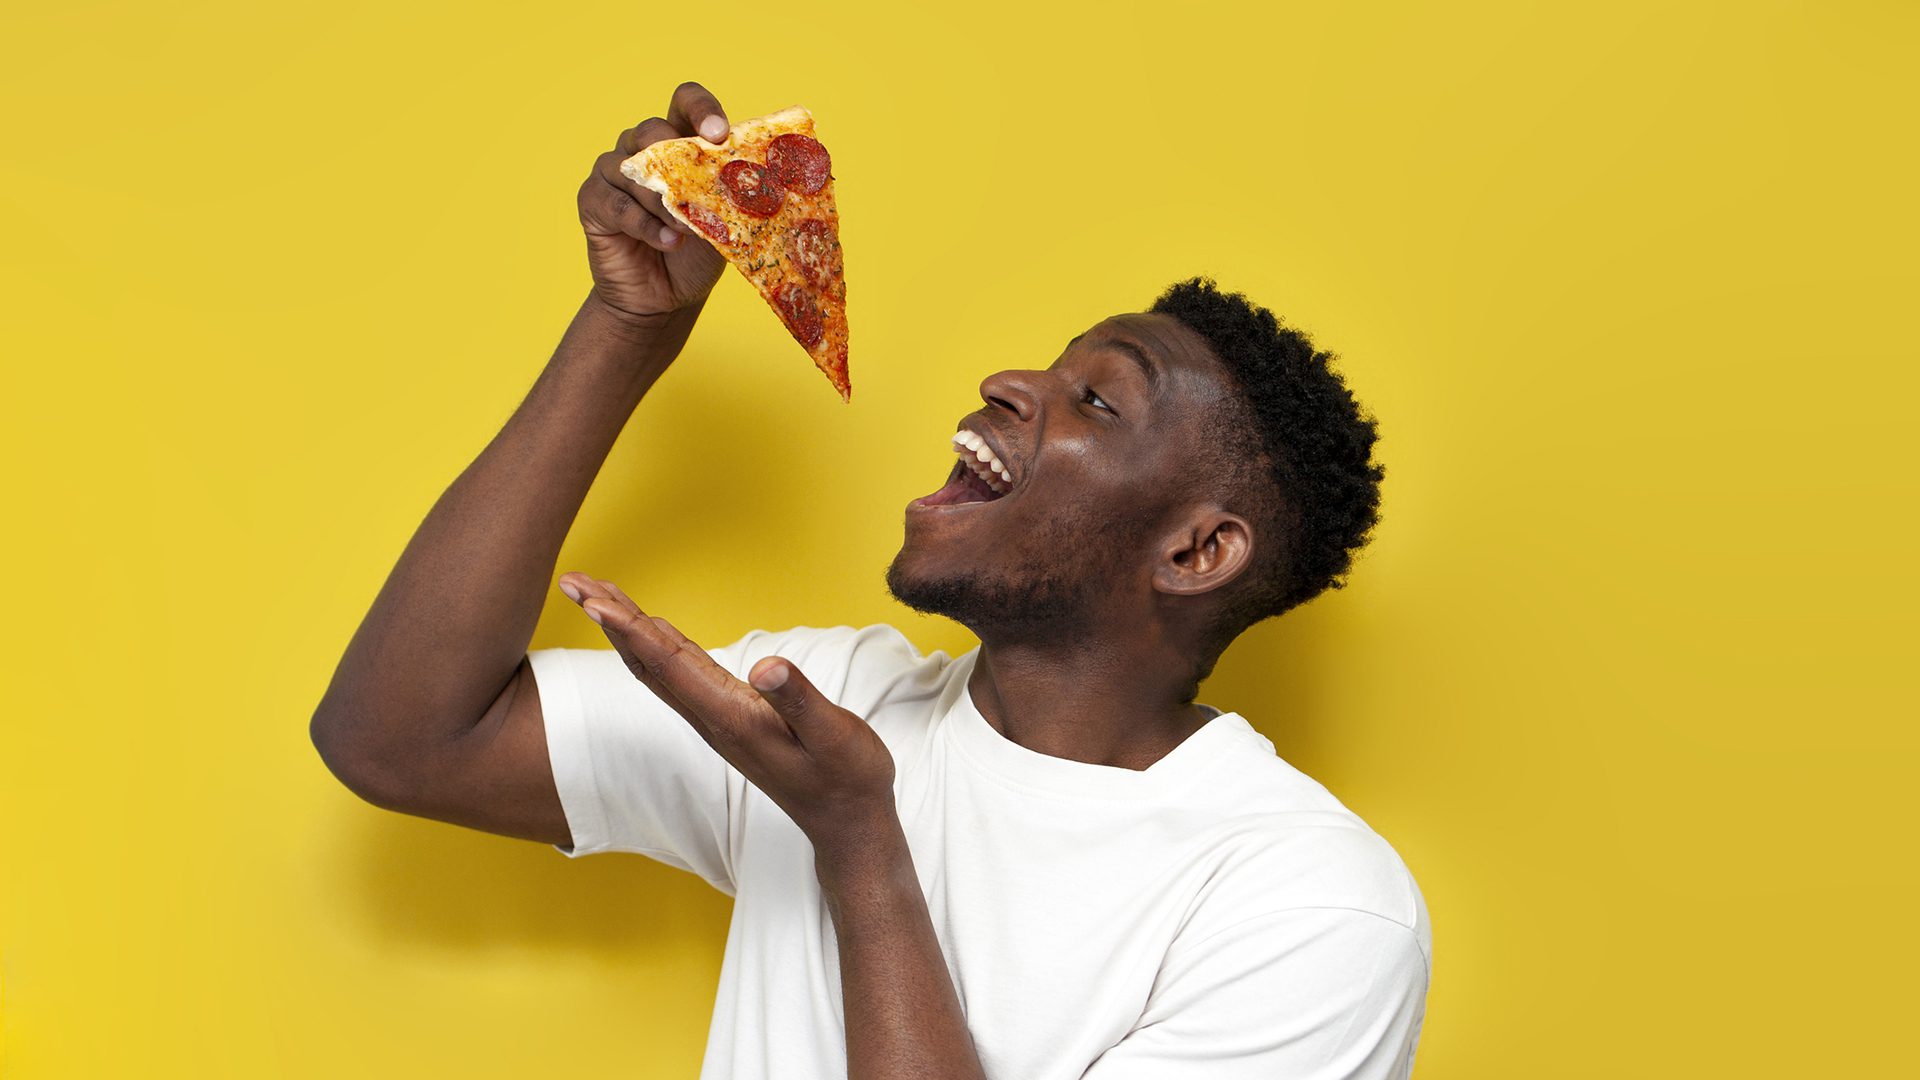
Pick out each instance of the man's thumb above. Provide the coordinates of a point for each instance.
(784, 687)
(821, 726)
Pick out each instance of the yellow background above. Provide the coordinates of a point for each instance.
(1628, 287)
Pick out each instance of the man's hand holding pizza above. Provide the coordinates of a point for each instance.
(645, 263)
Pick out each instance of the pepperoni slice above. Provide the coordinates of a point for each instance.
(707, 222)
(800, 162)
(752, 188)
(801, 314)
(813, 249)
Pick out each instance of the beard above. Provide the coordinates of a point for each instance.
(1013, 604)
(997, 608)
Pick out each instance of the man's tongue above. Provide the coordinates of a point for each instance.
(964, 486)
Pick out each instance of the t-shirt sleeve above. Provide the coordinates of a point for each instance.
(634, 776)
(1304, 994)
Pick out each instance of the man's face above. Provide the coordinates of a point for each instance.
(1102, 449)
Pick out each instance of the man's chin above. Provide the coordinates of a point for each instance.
(1048, 608)
(930, 595)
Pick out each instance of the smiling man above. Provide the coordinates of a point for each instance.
(1039, 859)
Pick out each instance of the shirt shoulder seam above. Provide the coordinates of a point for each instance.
(1426, 962)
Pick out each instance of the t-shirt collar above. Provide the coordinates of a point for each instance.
(1007, 759)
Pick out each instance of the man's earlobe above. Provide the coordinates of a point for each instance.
(1211, 551)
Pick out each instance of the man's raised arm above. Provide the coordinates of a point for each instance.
(432, 710)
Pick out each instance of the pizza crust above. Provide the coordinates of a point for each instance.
(643, 167)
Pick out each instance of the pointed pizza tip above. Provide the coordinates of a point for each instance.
(840, 383)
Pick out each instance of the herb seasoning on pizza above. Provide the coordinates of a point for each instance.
(764, 198)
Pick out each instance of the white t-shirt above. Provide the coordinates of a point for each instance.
(1217, 915)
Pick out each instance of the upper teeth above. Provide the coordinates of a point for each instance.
(981, 459)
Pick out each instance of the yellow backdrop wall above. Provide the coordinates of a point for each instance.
(1621, 677)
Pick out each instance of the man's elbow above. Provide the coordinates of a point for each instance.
(362, 768)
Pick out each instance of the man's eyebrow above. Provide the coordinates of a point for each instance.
(1133, 352)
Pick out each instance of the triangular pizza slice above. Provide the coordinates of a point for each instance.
(764, 198)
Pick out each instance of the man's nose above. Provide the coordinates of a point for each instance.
(1018, 392)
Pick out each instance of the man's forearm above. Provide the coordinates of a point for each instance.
(902, 1014)
(455, 616)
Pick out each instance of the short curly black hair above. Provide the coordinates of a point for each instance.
(1313, 480)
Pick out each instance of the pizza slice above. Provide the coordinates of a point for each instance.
(764, 199)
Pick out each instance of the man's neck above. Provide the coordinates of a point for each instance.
(1097, 702)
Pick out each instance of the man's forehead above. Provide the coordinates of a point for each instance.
(1167, 341)
(1174, 358)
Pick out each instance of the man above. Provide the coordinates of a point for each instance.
(1041, 859)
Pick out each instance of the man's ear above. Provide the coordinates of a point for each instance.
(1211, 549)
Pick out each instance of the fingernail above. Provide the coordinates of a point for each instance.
(713, 129)
(572, 593)
(669, 237)
(773, 678)
(594, 614)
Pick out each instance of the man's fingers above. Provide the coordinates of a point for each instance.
(668, 659)
(732, 716)
(650, 658)
(614, 593)
(580, 588)
(644, 134)
(695, 111)
(607, 169)
(606, 210)
(632, 141)
(693, 674)
(648, 198)
(671, 631)
(576, 586)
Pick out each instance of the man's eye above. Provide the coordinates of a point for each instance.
(1095, 400)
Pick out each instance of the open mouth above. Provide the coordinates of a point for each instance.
(979, 476)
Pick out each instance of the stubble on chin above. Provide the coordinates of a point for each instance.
(1036, 600)
(993, 608)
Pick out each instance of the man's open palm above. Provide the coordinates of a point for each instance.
(820, 763)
